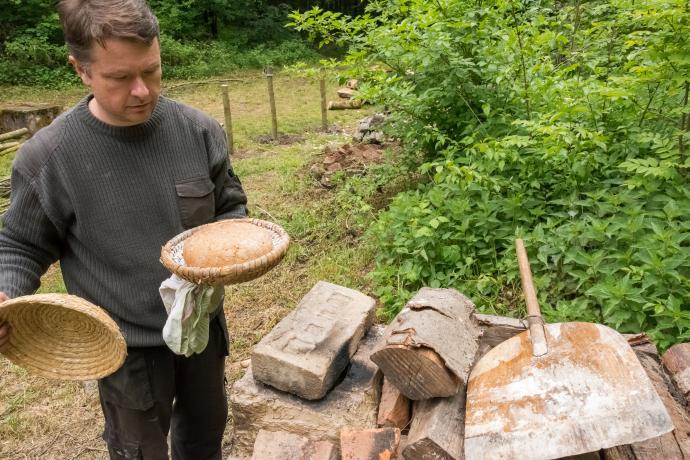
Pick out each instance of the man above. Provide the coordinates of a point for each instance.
(101, 190)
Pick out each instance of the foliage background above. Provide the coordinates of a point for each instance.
(562, 122)
(199, 38)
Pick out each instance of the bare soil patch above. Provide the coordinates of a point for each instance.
(347, 158)
(283, 139)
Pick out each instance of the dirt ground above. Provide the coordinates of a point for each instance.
(48, 419)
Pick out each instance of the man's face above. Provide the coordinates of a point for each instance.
(125, 78)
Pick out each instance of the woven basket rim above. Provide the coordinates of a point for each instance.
(228, 274)
(62, 336)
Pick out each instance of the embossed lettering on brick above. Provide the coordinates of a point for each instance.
(307, 351)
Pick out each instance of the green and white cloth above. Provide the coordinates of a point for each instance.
(189, 308)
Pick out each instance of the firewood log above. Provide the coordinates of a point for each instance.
(343, 105)
(11, 149)
(677, 362)
(430, 346)
(13, 134)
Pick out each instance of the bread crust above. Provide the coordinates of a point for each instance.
(226, 243)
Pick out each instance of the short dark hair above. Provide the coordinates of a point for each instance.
(87, 21)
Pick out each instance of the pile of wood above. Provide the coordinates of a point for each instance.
(348, 91)
(426, 357)
(426, 367)
(4, 194)
(301, 399)
(346, 94)
(11, 142)
(669, 375)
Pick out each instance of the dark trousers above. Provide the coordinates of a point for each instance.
(156, 390)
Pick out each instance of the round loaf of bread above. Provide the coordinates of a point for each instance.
(225, 243)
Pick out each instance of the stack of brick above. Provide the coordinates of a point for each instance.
(313, 391)
(311, 379)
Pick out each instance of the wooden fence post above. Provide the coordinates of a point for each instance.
(272, 101)
(228, 120)
(324, 110)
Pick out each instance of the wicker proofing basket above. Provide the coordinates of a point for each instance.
(171, 258)
(62, 336)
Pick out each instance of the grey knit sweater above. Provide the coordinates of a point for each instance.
(104, 199)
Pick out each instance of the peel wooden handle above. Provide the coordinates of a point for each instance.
(536, 323)
(526, 277)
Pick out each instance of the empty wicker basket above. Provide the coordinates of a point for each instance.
(62, 336)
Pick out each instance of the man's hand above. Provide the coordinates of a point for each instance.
(4, 327)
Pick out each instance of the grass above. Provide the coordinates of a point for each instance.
(40, 418)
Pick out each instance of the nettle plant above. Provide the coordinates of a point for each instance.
(565, 123)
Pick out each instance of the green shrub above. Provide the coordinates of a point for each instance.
(35, 61)
(562, 123)
(195, 60)
(280, 54)
(200, 39)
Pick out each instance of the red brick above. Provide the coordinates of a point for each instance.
(373, 444)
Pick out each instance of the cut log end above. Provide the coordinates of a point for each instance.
(677, 358)
(418, 373)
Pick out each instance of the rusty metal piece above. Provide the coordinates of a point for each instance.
(587, 392)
